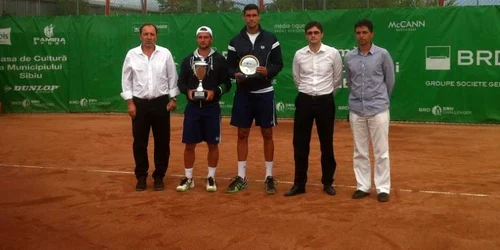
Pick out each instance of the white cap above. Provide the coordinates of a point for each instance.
(204, 29)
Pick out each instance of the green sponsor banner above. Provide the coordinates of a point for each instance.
(34, 64)
(447, 59)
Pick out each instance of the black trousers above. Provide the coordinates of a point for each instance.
(307, 109)
(151, 114)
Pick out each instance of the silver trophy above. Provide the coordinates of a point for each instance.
(248, 64)
(200, 70)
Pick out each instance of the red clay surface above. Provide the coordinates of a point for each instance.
(67, 183)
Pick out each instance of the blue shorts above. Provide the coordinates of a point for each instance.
(248, 106)
(201, 124)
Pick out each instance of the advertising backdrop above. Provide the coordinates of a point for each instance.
(447, 60)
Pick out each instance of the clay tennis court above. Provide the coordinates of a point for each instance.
(67, 183)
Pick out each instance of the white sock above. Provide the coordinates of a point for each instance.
(242, 165)
(269, 168)
(189, 173)
(211, 172)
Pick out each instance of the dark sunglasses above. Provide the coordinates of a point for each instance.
(313, 32)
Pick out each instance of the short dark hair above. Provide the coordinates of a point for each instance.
(312, 24)
(251, 7)
(364, 23)
(148, 24)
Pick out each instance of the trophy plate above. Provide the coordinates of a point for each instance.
(249, 64)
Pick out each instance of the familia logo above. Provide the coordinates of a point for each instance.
(406, 25)
(84, 102)
(87, 102)
(5, 36)
(437, 110)
(282, 106)
(28, 103)
(49, 38)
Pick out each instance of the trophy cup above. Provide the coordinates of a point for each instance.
(200, 70)
(248, 65)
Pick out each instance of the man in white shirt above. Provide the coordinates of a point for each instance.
(149, 85)
(317, 72)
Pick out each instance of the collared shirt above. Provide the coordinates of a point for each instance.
(370, 79)
(149, 78)
(317, 73)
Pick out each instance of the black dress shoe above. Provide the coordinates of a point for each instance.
(141, 183)
(158, 185)
(295, 190)
(359, 194)
(383, 197)
(329, 190)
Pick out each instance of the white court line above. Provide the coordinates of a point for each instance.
(227, 178)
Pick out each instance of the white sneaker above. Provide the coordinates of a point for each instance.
(185, 185)
(211, 185)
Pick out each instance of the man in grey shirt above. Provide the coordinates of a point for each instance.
(370, 78)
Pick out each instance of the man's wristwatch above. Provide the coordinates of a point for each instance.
(173, 98)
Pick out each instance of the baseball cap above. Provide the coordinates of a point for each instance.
(204, 29)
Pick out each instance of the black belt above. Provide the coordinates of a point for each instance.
(315, 97)
(157, 99)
